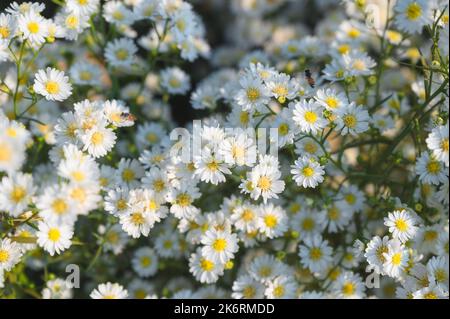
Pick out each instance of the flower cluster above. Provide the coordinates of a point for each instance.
(317, 164)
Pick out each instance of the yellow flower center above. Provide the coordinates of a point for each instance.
(219, 244)
(310, 117)
(59, 206)
(380, 253)
(394, 36)
(128, 175)
(206, 264)
(121, 204)
(121, 54)
(333, 213)
(444, 145)
(97, 138)
(270, 220)
(308, 171)
(433, 167)
(244, 117)
(310, 147)
(413, 11)
(348, 289)
(430, 235)
(72, 21)
(283, 129)
(4, 256)
(85, 75)
(401, 225)
(253, 94)
(278, 291)
(152, 205)
(350, 199)
(308, 224)
(315, 253)
(146, 261)
(175, 83)
(183, 200)
(83, 2)
(137, 219)
(33, 27)
(332, 102)
(159, 185)
(344, 49)
(118, 15)
(78, 176)
(265, 271)
(359, 65)
(52, 87)
(247, 215)
(249, 292)
(54, 234)
(397, 259)
(212, 166)
(440, 275)
(237, 151)
(78, 194)
(17, 194)
(4, 32)
(353, 33)
(430, 295)
(264, 183)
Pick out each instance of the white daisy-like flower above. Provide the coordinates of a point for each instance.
(308, 116)
(438, 141)
(315, 254)
(84, 7)
(16, 193)
(129, 172)
(136, 221)
(263, 181)
(219, 246)
(85, 73)
(120, 52)
(98, 140)
(9, 254)
(396, 259)
(358, 63)
(7, 27)
(431, 292)
(352, 119)
(266, 267)
(412, 15)
(33, 27)
(175, 81)
(204, 270)
(330, 99)
(52, 84)
(53, 237)
(375, 250)
(182, 199)
(431, 170)
(349, 286)
(210, 168)
(253, 94)
(282, 287)
(109, 291)
(239, 149)
(272, 220)
(145, 262)
(307, 172)
(438, 271)
(245, 287)
(57, 289)
(402, 225)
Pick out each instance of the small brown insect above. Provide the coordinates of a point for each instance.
(309, 78)
(127, 116)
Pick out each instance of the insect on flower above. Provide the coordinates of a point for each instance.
(309, 78)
